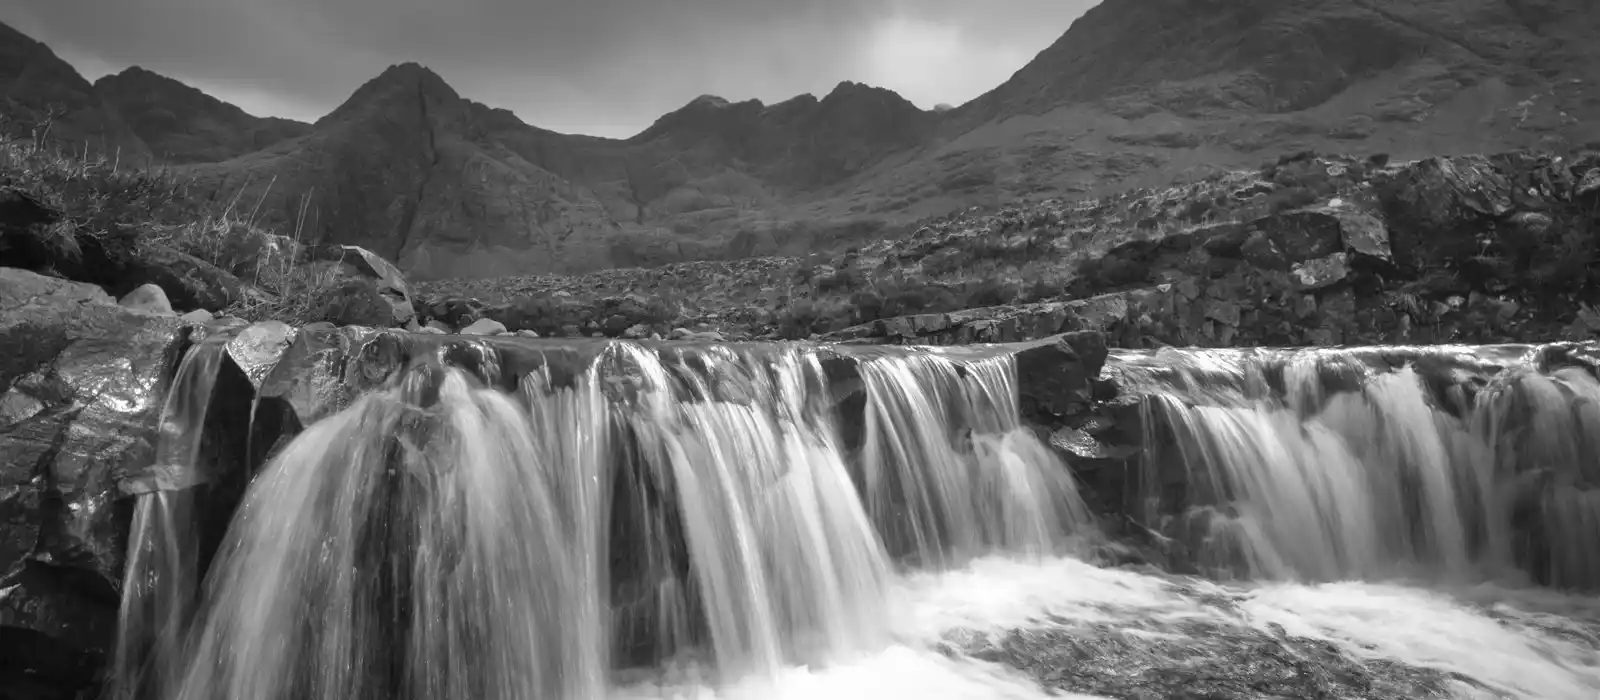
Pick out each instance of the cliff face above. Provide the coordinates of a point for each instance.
(1134, 94)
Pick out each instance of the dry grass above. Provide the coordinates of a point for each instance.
(140, 207)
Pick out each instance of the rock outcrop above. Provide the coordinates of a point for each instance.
(1454, 249)
(83, 383)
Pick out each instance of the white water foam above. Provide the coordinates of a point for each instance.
(1523, 644)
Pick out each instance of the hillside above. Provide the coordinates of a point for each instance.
(180, 124)
(1135, 93)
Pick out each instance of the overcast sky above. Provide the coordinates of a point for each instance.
(604, 67)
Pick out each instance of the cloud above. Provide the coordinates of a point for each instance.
(607, 67)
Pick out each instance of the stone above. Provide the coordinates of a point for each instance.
(198, 317)
(484, 326)
(19, 287)
(385, 280)
(1055, 375)
(355, 302)
(82, 383)
(258, 348)
(190, 283)
(149, 298)
(1322, 272)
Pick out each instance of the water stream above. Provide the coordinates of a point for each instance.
(714, 526)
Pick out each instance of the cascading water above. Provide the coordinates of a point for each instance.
(741, 522)
(951, 472)
(442, 539)
(1384, 475)
(161, 576)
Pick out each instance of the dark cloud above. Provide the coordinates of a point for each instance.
(595, 66)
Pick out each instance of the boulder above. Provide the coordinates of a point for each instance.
(149, 298)
(83, 383)
(190, 283)
(484, 326)
(386, 279)
(355, 302)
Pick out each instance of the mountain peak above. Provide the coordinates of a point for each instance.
(399, 82)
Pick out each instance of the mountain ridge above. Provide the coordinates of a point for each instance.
(1132, 94)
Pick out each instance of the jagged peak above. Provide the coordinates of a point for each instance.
(850, 90)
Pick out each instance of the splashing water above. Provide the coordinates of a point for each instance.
(1061, 628)
(705, 515)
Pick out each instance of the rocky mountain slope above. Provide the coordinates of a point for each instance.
(1135, 93)
(180, 124)
(37, 87)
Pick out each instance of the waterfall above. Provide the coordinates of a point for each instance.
(443, 537)
(1322, 465)
(161, 576)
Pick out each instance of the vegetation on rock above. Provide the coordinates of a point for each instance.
(91, 218)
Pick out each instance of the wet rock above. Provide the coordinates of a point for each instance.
(309, 381)
(258, 349)
(149, 298)
(83, 382)
(1055, 376)
(1209, 650)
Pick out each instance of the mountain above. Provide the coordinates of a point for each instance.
(1138, 91)
(1134, 93)
(451, 187)
(41, 93)
(181, 124)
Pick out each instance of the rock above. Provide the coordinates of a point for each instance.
(1321, 272)
(148, 298)
(190, 283)
(438, 327)
(83, 383)
(484, 326)
(1362, 233)
(1055, 375)
(121, 259)
(20, 287)
(385, 280)
(258, 348)
(198, 317)
(355, 302)
(528, 334)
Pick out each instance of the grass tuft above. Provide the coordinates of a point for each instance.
(135, 208)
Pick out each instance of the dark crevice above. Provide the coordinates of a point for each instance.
(409, 218)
